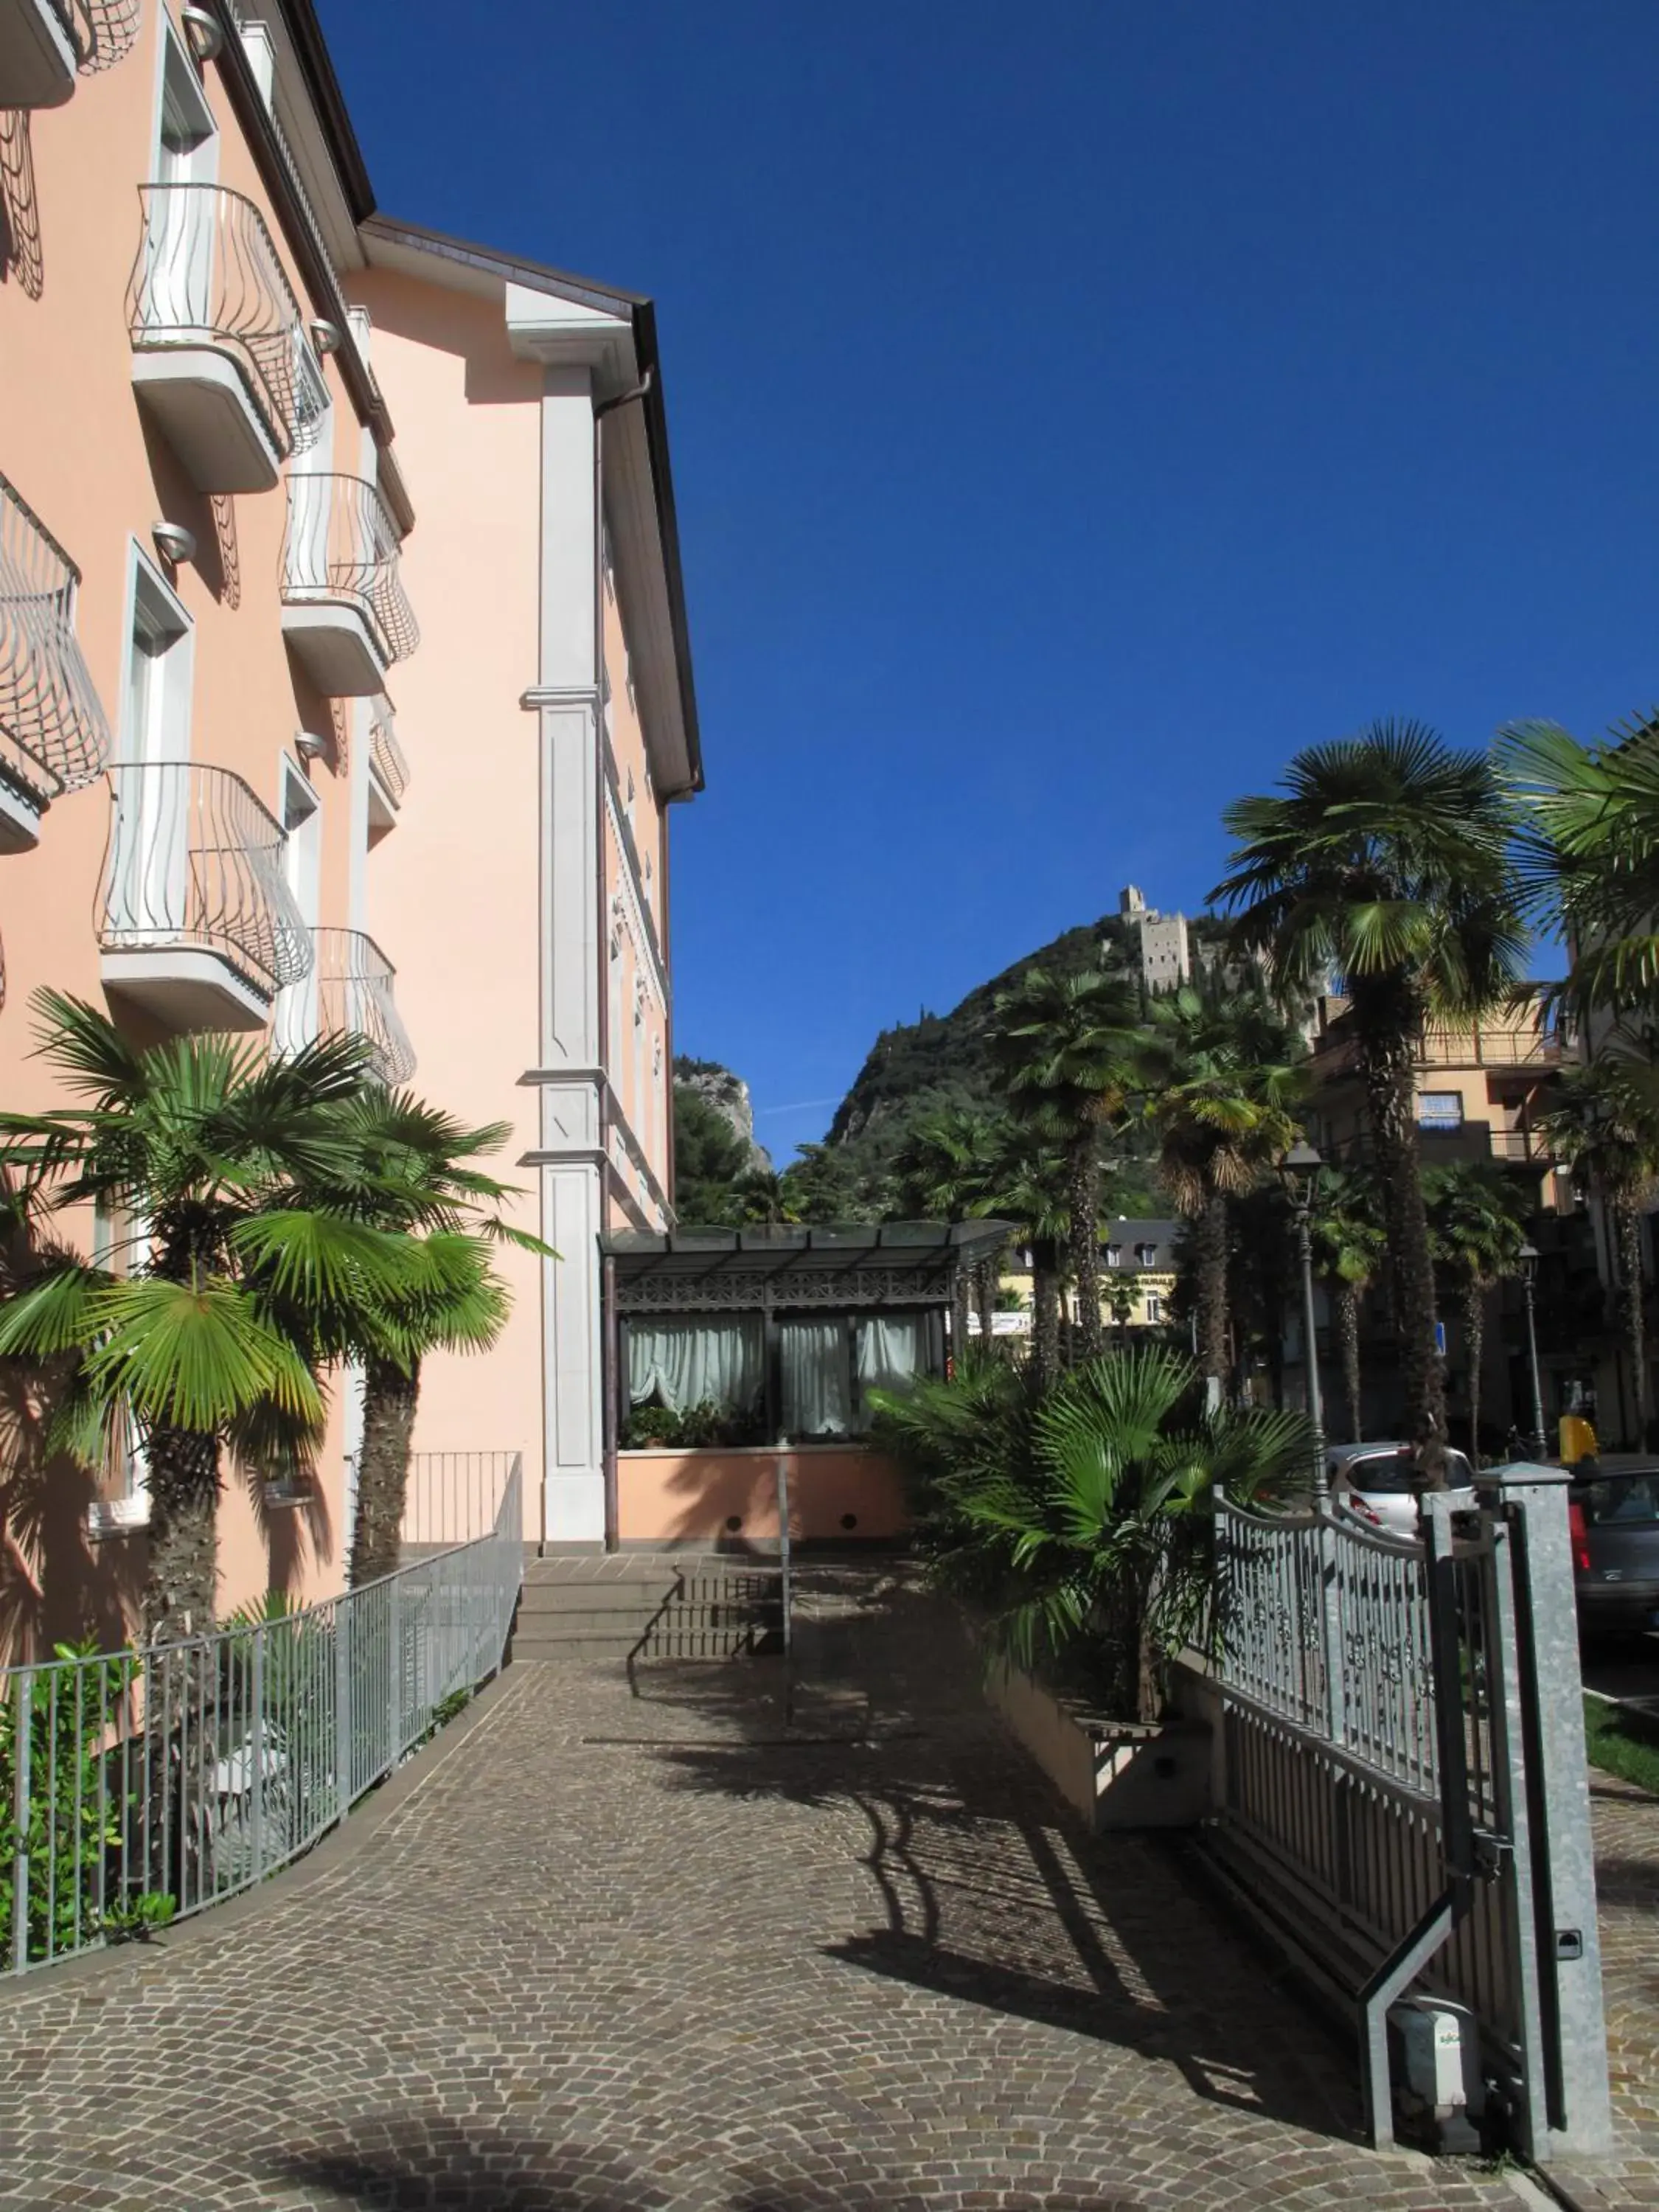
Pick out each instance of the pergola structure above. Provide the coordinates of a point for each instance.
(781, 1279)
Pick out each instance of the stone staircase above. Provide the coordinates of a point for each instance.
(650, 1605)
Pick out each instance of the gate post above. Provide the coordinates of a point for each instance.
(1551, 1718)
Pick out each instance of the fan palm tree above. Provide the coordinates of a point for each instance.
(1029, 1187)
(1064, 1045)
(1220, 1084)
(198, 1146)
(1604, 1124)
(409, 1170)
(951, 1169)
(758, 1199)
(1349, 1247)
(1477, 1228)
(1589, 820)
(1385, 860)
(1082, 1522)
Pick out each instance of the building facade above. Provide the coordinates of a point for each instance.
(1165, 956)
(269, 463)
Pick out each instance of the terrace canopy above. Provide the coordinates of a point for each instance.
(750, 1336)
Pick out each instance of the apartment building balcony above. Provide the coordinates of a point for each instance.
(388, 770)
(45, 44)
(348, 993)
(53, 734)
(345, 614)
(196, 922)
(220, 361)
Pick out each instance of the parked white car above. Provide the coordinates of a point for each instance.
(1379, 1483)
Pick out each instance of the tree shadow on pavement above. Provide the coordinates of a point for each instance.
(990, 1892)
(431, 2160)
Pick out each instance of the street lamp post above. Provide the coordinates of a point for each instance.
(1528, 1257)
(1299, 1171)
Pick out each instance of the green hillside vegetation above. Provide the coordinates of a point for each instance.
(914, 1071)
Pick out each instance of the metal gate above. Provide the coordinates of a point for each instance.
(1403, 1788)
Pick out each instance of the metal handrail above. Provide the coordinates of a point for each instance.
(176, 1776)
(102, 32)
(208, 274)
(342, 544)
(386, 755)
(348, 993)
(193, 859)
(54, 735)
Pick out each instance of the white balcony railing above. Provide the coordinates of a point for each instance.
(348, 993)
(342, 550)
(214, 320)
(194, 864)
(384, 753)
(53, 733)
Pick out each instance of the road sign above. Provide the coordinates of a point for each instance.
(1440, 1337)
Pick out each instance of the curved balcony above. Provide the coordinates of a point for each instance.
(53, 734)
(196, 922)
(345, 614)
(349, 993)
(221, 360)
(44, 44)
(388, 770)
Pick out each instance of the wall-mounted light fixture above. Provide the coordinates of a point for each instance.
(174, 542)
(325, 336)
(309, 745)
(204, 31)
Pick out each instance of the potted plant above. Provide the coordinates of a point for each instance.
(1077, 1526)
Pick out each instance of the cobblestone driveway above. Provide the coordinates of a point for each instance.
(671, 1949)
(1626, 1822)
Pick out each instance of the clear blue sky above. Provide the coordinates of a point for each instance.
(1077, 406)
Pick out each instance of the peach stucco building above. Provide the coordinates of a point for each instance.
(345, 682)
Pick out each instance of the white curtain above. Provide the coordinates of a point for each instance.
(817, 1381)
(695, 1363)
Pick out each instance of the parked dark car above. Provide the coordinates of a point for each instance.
(1614, 1519)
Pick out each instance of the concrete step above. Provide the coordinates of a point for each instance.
(586, 1638)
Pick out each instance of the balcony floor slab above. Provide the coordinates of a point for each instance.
(332, 643)
(37, 62)
(195, 396)
(185, 987)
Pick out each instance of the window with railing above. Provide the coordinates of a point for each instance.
(342, 546)
(195, 860)
(53, 733)
(208, 274)
(349, 993)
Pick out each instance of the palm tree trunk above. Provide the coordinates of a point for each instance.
(1391, 1090)
(961, 1301)
(984, 1292)
(1347, 1300)
(1212, 1287)
(1628, 1229)
(1045, 1313)
(1083, 1197)
(181, 1590)
(1475, 1338)
(389, 1402)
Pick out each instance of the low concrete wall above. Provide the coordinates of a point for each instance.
(1118, 1774)
(838, 1494)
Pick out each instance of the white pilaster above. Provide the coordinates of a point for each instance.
(566, 699)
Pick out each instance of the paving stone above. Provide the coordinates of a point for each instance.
(676, 1943)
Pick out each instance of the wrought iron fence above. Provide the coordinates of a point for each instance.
(208, 274)
(142, 1784)
(54, 735)
(385, 754)
(348, 993)
(342, 544)
(452, 1497)
(1339, 1768)
(193, 859)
